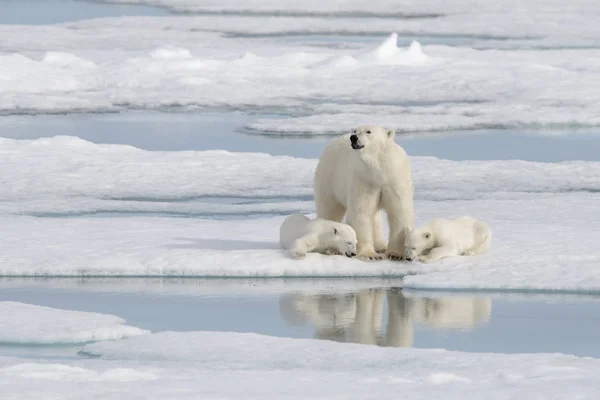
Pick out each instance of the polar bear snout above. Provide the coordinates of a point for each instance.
(410, 250)
(355, 143)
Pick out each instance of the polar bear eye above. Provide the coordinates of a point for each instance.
(427, 235)
(354, 131)
(350, 243)
(335, 231)
(369, 132)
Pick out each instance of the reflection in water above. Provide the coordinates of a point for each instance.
(358, 317)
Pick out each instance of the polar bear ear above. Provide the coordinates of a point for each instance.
(390, 132)
(335, 231)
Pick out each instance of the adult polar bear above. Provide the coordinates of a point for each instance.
(360, 174)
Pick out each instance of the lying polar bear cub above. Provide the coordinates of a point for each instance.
(300, 235)
(442, 238)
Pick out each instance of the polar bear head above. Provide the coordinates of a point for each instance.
(338, 236)
(368, 138)
(418, 241)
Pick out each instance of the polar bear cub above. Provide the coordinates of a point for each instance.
(300, 235)
(442, 238)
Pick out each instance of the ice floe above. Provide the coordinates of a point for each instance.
(68, 174)
(188, 365)
(360, 368)
(535, 248)
(202, 364)
(183, 63)
(30, 324)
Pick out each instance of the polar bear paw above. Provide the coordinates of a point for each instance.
(392, 255)
(380, 247)
(298, 254)
(370, 256)
(425, 259)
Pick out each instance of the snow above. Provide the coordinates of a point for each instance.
(388, 53)
(190, 365)
(30, 324)
(562, 257)
(535, 248)
(509, 18)
(74, 167)
(414, 66)
(375, 372)
(164, 247)
(191, 62)
(67, 173)
(205, 287)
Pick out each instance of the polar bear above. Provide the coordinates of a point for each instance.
(360, 174)
(442, 238)
(300, 235)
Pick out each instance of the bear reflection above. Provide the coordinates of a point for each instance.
(358, 317)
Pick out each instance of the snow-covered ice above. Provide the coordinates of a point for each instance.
(46, 173)
(499, 79)
(529, 21)
(304, 367)
(534, 246)
(201, 364)
(30, 324)
(184, 62)
(169, 286)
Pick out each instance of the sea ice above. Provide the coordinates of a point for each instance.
(189, 365)
(183, 62)
(334, 370)
(534, 246)
(30, 324)
(47, 174)
(511, 23)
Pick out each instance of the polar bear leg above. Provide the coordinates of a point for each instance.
(329, 209)
(400, 211)
(378, 238)
(362, 207)
(483, 235)
(303, 245)
(332, 252)
(438, 253)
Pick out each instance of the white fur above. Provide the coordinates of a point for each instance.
(360, 182)
(300, 235)
(442, 238)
